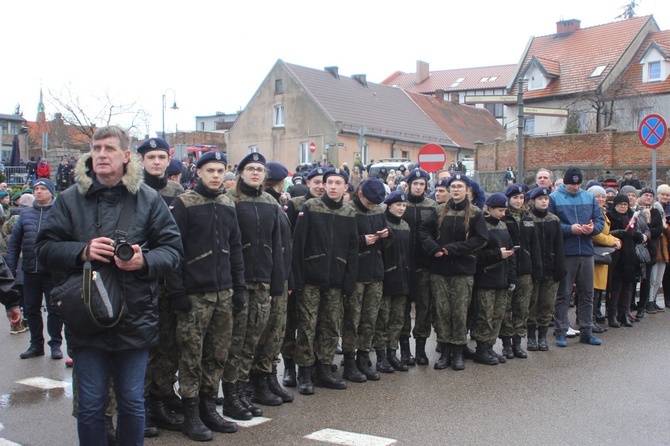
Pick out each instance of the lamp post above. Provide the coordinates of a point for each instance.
(174, 106)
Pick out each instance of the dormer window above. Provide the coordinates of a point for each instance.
(654, 70)
(655, 64)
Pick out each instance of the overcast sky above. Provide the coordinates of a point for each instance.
(214, 55)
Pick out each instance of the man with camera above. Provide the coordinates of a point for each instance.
(83, 225)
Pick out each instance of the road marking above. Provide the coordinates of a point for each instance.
(4, 442)
(44, 383)
(255, 421)
(349, 438)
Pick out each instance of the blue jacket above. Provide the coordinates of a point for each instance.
(579, 208)
(24, 234)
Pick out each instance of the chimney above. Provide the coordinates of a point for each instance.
(439, 94)
(454, 98)
(567, 26)
(422, 71)
(333, 71)
(361, 79)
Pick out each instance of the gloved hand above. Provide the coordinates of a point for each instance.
(618, 233)
(180, 302)
(239, 299)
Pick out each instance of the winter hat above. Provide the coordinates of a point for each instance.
(317, 171)
(43, 182)
(228, 176)
(417, 174)
(515, 189)
(593, 183)
(621, 198)
(596, 190)
(27, 200)
(647, 190)
(336, 171)
(629, 189)
(153, 144)
(497, 200)
(573, 175)
(395, 197)
(175, 167)
(297, 178)
(253, 157)
(611, 190)
(212, 157)
(663, 189)
(373, 190)
(540, 191)
(276, 171)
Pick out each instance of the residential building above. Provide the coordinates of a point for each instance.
(218, 121)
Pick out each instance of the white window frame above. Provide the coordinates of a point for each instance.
(650, 65)
(305, 154)
(529, 125)
(278, 115)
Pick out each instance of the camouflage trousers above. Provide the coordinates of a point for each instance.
(164, 358)
(232, 365)
(360, 316)
(424, 308)
(542, 302)
(203, 339)
(492, 305)
(319, 314)
(270, 343)
(389, 322)
(258, 313)
(452, 297)
(514, 323)
(288, 347)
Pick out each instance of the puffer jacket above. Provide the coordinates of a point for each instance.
(23, 238)
(579, 208)
(92, 210)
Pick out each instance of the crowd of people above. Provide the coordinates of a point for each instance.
(235, 267)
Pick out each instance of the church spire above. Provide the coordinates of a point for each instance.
(41, 117)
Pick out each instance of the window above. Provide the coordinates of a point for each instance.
(304, 152)
(495, 109)
(640, 114)
(458, 81)
(5, 127)
(598, 71)
(202, 126)
(278, 116)
(536, 82)
(365, 154)
(279, 86)
(529, 125)
(654, 70)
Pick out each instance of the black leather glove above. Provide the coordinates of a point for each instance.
(180, 302)
(239, 299)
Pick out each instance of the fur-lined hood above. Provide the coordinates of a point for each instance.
(132, 178)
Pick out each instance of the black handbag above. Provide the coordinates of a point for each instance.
(602, 255)
(90, 301)
(642, 253)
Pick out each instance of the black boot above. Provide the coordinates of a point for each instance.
(612, 319)
(289, 373)
(507, 351)
(246, 402)
(396, 363)
(193, 426)
(162, 416)
(405, 352)
(482, 355)
(597, 305)
(232, 406)
(445, 356)
(421, 358)
(150, 428)
(531, 342)
(173, 402)
(542, 344)
(305, 384)
(351, 372)
(261, 393)
(457, 357)
(501, 358)
(211, 418)
(383, 365)
(468, 353)
(365, 365)
(624, 320)
(518, 351)
(273, 385)
(325, 378)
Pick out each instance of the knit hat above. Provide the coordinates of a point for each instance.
(395, 197)
(26, 200)
(373, 190)
(175, 167)
(417, 174)
(514, 189)
(253, 157)
(647, 190)
(596, 190)
(212, 157)
(459, 177)
(663, 189)
(317, 171)
(46, 183)
(497, 200)
(627, 171)
(573, 175)
(336, 171)
(540, 191)
(228, 176)
(276, 171)
(621, 198)
(610, 190)
(297, 178)
(153, 144)
(629, 189)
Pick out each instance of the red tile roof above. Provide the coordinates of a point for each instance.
(633, 75)
(473, 79)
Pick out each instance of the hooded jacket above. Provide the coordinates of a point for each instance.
(23, 238)
(579, 208)
(92, 210)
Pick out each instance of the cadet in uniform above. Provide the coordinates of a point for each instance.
(325, 265)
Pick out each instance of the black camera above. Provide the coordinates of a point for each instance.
(123, 250)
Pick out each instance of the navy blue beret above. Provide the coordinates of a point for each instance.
(175, 167)
(497, 200)
(336, 171)
(395, 197)
(444, 182)
(539, 191)
(253, 157)
(417, 174)
(373, 190)
(351, 187)
(317, 171)
(153, 144)
(515, 189)
(212, 157)
(459, 177)
(276, 171)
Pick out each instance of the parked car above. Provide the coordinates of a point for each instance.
(389, 163)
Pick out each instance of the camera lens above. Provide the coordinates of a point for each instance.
(124, 251)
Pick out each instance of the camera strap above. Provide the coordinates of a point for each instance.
(124, 218)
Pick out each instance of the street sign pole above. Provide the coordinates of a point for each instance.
(653, 169)
(519, 136)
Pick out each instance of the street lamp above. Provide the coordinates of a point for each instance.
(174, 106)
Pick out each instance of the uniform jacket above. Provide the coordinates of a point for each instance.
(576, 208)
(418, 210)
(521, 229)
(550, 238)
(213, 262)
(325, 245)
(293, 207)
(370, 260)
(258, 219)
(167, 189)
(396, 257)
(92, 210)
(286, 239)
(23, 237)
(494, 272)
(451, 234)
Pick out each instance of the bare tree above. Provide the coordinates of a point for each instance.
(628, 11)
(17, 110)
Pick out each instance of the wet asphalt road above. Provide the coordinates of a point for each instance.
(615, 394)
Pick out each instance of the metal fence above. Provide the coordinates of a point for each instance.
(16, 175)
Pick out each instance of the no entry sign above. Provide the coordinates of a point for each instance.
(432, 158)
(652, 131)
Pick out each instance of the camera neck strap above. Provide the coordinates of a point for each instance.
(124, 217)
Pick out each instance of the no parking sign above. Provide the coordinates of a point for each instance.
(652, 131)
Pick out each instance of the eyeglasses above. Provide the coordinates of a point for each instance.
(252, 169)
(457, 186)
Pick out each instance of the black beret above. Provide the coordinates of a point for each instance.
(459, 177)
(417, 174)
(317, 171)
(253, 157)
(539, 191)
(336, 171)
(395, 197)
(497, 200)
(573, 176)
(514, 189)
(373, 190)
(212, 157)
(175, 167)
(153, 144)
(276, 171)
